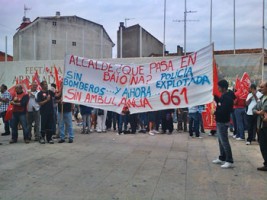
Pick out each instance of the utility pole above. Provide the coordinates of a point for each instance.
(164, 29)
(263, 26)
(185, 21)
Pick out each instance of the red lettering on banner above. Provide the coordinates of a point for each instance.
(104, 100)
(72, 60)
(135, 103)
(161, 66)
(174, 97)
(72, 94)
(137, 79)
(187, 60)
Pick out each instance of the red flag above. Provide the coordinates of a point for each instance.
(244, 85)
(215, 91)
(237, 83)
(12, 90)
(36, 78)
(58, 82)
(25, 84)
(208, 118)
(246, 80)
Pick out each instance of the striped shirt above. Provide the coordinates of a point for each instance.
(4, 105)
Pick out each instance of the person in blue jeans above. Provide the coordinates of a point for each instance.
(19, 102)
(64, 119)
(193, 114)
(222, 116)
(123, 121)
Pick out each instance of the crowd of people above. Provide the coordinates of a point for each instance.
(43, 116)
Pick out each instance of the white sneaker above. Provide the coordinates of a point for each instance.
(239, 139)
(234, 136)
(248, 143)
(151, 133)
(199, 137)
(227, 165)
(155, 131)
(217, 161)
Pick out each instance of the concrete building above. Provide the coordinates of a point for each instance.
(135, 41)
(49, 38)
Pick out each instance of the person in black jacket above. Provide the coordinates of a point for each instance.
(222, 116)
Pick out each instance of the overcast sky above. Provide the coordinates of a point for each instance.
(150, 15)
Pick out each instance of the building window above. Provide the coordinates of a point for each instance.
(54, 41)
(54, 23)
(73, 43)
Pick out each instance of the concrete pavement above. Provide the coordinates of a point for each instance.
(110, 167)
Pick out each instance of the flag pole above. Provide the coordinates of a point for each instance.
(210, 21)
(164, 29)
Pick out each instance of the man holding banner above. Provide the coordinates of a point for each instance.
(222, 117)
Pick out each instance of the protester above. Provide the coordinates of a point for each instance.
(86, 116)
(152, 126)
(222, 116)
(19, 102)
(44, 99)
(93, 120)
(53, 88)
(5, 98)
(167, 120)
(193, 113)
(64, 118)
(182, 115)
(33, 114)
(143, 123)
(101, 120)
(262, 124)
(251, 101)
(123, 121)
(240, 116)
(201, 108)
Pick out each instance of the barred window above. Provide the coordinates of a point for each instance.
(54, 41)
(73, 43)
(54, 23)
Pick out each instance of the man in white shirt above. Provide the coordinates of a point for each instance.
(33, 112)
(252, 99)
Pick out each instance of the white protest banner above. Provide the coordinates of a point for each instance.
(170, 83)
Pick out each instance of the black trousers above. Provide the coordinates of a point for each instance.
(47, 120)
(263, 144)
(167, 125)
(252, 126)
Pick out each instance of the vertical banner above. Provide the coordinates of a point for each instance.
(170, 83)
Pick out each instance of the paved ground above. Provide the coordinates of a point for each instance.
(110, 167)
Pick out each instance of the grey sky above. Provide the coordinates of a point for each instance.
(149, 14)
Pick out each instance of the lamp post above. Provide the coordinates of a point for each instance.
(185, 21)
(263, 26)
(164, 28)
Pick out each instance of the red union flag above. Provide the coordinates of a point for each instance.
(244, 85)
(208, 118)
